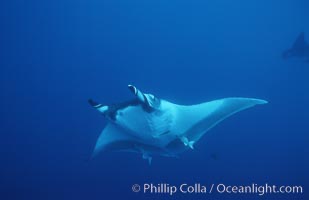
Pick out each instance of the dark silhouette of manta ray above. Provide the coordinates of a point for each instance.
(299, 49)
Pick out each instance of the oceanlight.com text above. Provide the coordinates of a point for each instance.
(198, 188)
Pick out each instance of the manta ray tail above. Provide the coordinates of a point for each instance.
(100, 107)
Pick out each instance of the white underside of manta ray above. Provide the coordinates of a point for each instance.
(153, 126)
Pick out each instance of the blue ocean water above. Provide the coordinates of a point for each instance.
(57, 54)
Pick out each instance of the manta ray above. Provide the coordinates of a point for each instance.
(300, 49)
(152, 126)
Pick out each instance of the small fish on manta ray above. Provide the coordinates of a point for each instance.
(152, 126)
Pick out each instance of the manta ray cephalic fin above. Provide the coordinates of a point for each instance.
(139, 95)
(148, 100)
(100, 107)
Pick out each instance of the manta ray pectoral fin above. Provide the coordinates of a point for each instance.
(202, 117)
(100, 107)
(186, 142)
(114, 138)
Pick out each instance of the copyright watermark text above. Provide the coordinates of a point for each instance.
(198, 188)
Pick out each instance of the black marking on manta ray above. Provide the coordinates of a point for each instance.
(114, 108)
(166, 132)
(94, 104)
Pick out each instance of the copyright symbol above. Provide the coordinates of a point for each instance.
(136, 188)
